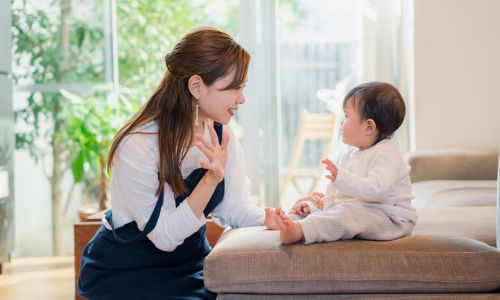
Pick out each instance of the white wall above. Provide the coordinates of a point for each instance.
(457, 74)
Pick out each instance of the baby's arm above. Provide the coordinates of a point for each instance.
(380, 179)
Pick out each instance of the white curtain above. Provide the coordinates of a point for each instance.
(259, 116)
(386, 51)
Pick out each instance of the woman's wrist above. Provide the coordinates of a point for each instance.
(210, 179)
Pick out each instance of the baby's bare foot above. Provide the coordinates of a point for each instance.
(270, 220)
(290, 231)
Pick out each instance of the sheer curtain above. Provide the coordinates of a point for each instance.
(380, 49)
(259, 116)
(386, 43)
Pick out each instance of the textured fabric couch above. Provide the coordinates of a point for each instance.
(451, 254)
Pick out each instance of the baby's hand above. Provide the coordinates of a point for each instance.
(330, 166)
(300, 208)
(317, 199)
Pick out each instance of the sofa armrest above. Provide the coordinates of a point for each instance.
(498, 205)
(453, 164)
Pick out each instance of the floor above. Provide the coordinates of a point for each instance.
(38, 278)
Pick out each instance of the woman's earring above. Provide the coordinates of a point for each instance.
(196, 119)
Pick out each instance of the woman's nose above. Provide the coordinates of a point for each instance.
(241, 98)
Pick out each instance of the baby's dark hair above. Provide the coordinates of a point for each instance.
(380, 102)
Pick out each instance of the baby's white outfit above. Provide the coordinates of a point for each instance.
(370, 198)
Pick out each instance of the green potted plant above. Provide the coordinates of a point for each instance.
(92, 123)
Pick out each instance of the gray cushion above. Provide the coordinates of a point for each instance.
(447, 193)
(459, 164)
(467, 296)
(473, 222)
(252, 260)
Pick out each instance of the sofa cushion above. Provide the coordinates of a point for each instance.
(440, 296)
(447, 193)
(458, 164)
(252, 260)
(477, 223)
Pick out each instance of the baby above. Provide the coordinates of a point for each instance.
(369, 196)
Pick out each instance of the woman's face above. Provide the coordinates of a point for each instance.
(218, 104)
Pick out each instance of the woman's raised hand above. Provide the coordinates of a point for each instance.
(216, 154)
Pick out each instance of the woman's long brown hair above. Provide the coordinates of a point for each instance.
(207, 52)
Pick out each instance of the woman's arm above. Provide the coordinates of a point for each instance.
(217, 156)
(236, 209)
(134, 183)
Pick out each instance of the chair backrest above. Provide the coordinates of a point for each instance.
(311, 126)
(316, 126)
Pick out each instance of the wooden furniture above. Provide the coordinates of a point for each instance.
(84, 231)
(312, 127)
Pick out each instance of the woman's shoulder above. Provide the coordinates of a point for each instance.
(148, 127)
(142, 139)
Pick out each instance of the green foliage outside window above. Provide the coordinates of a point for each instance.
(61, 42)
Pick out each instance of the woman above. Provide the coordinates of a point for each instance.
(171, 167)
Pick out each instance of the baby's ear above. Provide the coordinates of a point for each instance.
(371, 127)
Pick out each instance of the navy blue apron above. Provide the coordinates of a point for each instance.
(124, 264)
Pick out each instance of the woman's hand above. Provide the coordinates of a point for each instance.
(216, 154)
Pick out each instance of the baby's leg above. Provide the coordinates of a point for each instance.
(290, 231)
(351, 220)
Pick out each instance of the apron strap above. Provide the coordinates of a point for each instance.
(150, 225)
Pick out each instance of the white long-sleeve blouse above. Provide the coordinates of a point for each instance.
(135, 180)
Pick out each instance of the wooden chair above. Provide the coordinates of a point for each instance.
(312, 126)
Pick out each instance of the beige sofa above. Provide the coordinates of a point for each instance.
(451, 254)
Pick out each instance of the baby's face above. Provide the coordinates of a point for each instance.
(354, 128)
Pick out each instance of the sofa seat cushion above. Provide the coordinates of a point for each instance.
(477, 223)
(448, 193)
(252, 260)
(440, 296)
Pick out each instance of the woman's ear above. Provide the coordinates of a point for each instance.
(195, 85)
(371, 127)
